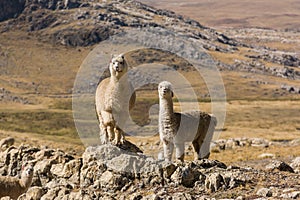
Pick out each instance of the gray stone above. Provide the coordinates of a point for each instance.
(71, 170)
(291, 195)
(7, 142)
(279, 165)
(259, 142)
(265, 192)
(120, 160)
(213, 182)
(112, 181)
(296, 164)
(186, 176)
(266, 155)
(33, 193)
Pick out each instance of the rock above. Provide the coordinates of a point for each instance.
(120, 160)
(186, 176)
(33, 193)
(5, 198)
(7, 142)
(71, 170)
(51, 194)
(206, 163)
(130, 147)
(112, 181)
(81, 37)
(214, 182)
(231, 143)
(182, 196)
(296, 164)
(11, 8)
(233, 179)
(291, 195)
(296, 141)
(57, 169)
(43, 169)
(168, 169)
(44, 153)
(91, 172)
(265, 192)
(259, 142)
(266, 155)
(279, 165)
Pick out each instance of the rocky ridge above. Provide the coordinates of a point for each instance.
(87, 22)
(112, 173)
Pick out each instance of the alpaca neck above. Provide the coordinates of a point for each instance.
(166, 107)
(25, 182)
(114, 79)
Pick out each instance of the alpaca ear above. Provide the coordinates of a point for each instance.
(112, 56)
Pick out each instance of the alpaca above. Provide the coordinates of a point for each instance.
(13, 186)
(112, 97)
(177, 128)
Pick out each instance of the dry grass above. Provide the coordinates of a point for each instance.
(37, 67)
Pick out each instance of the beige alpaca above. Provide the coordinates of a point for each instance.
(177, 128)
(113, 95)
(13, 186)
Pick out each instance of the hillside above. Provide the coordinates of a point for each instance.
(45, 44)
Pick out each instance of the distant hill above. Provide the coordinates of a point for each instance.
(274, 14)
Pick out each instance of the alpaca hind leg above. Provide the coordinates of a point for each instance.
(168, 150)
(196, 146)
(179, 151)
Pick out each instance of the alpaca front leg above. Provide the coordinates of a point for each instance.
(168, 150)
(103, 134)
(179, 151)
(111, 133)
(119, 136)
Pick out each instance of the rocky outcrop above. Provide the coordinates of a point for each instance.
(11, 8)
(87, 22)
(109, 172)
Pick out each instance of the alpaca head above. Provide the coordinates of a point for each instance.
(27, 174)
(165, 90)
(118, 66)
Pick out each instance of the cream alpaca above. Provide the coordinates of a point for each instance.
(13, 186)
(177, 128)
(112, 97)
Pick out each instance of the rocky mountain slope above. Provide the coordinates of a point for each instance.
(85, 23)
